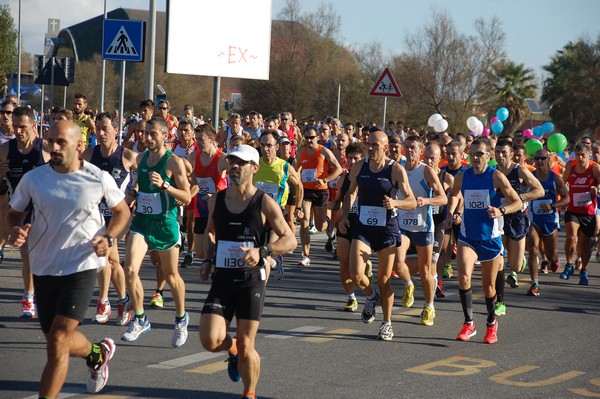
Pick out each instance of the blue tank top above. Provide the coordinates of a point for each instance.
(372, 187)
(539, 215)
(113, 165)
(419, 219)
(478, 192)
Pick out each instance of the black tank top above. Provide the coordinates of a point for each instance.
(245, 227)
(113, 164)
(19, 164)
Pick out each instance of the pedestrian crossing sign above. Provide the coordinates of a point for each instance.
(123, 40)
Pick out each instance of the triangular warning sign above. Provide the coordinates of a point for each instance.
(386, 86)
(121, 44)
(45, 75)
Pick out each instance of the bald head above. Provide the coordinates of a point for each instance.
(65, 145)
(70, 130)
(380, 137)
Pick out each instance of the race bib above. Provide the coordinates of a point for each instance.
(333, 183)
(373, 215)
(538, 209)
(229, 254)
(271, 189)
(477, 199)
(207, 186)
(309, 175)
(105, 210)
(354, 208)
(149, 203)
(582, 199)
(411, 219)
(435, 209)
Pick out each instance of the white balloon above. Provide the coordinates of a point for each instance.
(433, 119)
(441, 126)
(479, 128)
(472, 122)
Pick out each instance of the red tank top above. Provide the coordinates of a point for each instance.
(313, 167)
(581, 201)
(208, 177)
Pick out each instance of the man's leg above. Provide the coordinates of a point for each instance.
(571, 240)
(63, 342)
(248, 358)
(359, 255)
(168, 266)
(134, 254)
(386, 257)
(304, 226)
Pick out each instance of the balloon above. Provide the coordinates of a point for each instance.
(548, 127)
(528, 133)
(472, 123)
(473, 134)
(557, 142)
(532, 146)
(494, 119)
(441, 125)
(538, 132)
(502, 114)
(479, 128)
(486, 131)
(433, 119)
(497, 127)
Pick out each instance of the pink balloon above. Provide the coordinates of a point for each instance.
(494, 119)
(528, 133)
(486, 131)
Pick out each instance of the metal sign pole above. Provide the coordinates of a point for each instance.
(384, 112)
(52, 83)
(216, 101)
(121, 101)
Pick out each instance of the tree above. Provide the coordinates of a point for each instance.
(514, 83)
(8, 46)
(573, 88)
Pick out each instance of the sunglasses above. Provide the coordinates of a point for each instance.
(479, 154)
(540, 158)
(309, 137)
(236, 161)
(6, 112)
(163, 108)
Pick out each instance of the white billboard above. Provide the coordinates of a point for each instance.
(226, 38)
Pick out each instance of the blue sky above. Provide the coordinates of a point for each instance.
(535, 29)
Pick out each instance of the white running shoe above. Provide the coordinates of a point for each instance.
(305, 261)
(103, 311)
(99, 374)
(124, 312)
(180, 333)
(136, 328)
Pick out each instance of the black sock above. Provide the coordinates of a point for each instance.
(490, 304)
(160, 292)
(500, 282)
(466, 300)
(94, 358)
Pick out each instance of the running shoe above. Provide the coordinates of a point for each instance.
(28, 308)
(554, 266)
(369, 271)
(180, 333)
(448, 271)
(578, 264)
(440, 291)
(544, 266)
(187, 261)
(277, 269)
(313, 230)
(136, 328)
(523, 265)
(305, 262)
(500, 308)
(103, 311)
(427, 316)
(232, 365)
(329, 244)
(386, 332)
(597, 257)
(351, 306)
(157, 301)
(408, 298)
(1, 255)
(491, 334)
(569, 270)
(534, 290)
(467, 331)
(369, 312)
(99, 374)
(394, 274)
(124, 312)
(584, 278)
(512, 280)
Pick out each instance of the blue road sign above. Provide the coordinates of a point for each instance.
(123, 40)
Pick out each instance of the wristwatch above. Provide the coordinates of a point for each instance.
(503, 211)
(110, 240)
(165, 185)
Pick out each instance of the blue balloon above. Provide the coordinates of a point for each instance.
(502, 114)
(538, 132)
(497, 127)
(548, 127)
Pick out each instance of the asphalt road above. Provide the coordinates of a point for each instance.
(549, 346)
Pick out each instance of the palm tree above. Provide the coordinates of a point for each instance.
(513, 84)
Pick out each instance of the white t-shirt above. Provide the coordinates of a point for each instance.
(66, 216)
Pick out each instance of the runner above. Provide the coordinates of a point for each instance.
(236, 248)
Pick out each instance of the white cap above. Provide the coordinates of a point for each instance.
(245, 152)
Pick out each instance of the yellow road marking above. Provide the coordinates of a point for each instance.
(330, 335)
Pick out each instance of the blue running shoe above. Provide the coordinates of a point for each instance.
(232, 365)
(569, 270)
(584, 278)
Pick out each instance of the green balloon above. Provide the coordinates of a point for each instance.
(557, 142)
(532, 146)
